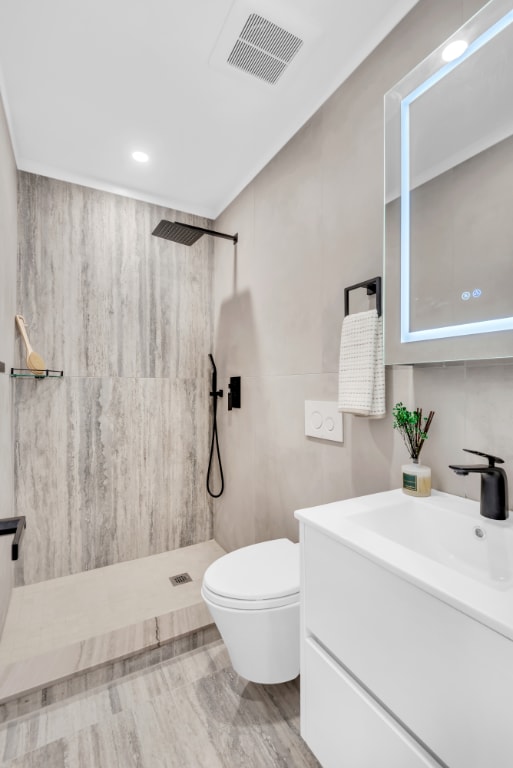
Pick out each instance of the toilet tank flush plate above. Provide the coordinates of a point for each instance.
(323, 420)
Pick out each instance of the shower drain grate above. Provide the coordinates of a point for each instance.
(180, 578)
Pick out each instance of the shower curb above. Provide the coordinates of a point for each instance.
(80, 667)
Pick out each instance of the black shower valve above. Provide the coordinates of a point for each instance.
(234, 392)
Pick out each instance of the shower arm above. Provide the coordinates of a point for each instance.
(234, 238)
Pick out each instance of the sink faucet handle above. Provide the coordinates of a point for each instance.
(492, 460)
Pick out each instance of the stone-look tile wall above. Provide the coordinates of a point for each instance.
(110, 461)
(310, 224)
(8, 240)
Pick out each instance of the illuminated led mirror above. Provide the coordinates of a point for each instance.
(449, 198)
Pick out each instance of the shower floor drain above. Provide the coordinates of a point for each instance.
(180, 578)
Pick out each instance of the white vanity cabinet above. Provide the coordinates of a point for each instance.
(341, 721)
(344, 726)
(392, 676)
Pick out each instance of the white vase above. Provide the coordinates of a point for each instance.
(416, 479)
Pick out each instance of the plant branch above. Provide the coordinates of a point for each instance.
(411, 427)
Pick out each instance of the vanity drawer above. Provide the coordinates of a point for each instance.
(344, 726)
(447, 677)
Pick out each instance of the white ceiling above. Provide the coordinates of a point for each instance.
(84, 83)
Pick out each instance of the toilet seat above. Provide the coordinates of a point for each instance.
(247, 605)
(261, 576)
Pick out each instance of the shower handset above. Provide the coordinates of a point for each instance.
(214, 445)
(215, 392)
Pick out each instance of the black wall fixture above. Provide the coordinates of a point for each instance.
(16, 526)
(234, 393)
(187, 234)
(214, 445)
(373, 287)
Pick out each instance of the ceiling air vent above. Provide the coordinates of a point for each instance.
(263, 49)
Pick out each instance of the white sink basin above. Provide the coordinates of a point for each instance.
(447, 530)
(440, 543)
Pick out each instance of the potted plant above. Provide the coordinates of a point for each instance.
(414, 428)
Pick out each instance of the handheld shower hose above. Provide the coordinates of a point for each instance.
(215, 439)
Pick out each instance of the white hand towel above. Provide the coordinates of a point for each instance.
(361, 383)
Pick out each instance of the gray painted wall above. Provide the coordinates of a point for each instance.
(110, 460)
(310, 224)
(8, 241)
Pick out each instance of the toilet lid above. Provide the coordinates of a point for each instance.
(259, 572)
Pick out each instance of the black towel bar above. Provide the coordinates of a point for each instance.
(373, 287)
(14, 525)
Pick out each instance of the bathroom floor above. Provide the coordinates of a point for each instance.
(189, 712)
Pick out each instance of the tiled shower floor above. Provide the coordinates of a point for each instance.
(61, 627)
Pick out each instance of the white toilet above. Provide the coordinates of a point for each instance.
(253, 596)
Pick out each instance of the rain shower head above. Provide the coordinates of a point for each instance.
(186, 234)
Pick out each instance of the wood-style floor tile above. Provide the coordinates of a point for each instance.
(193, 711)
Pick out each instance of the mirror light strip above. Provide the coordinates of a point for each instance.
(484, 326)
(466, 329)
(405, 221)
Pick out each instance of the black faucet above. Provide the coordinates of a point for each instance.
(494, 485)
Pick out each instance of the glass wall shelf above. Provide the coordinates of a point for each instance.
(26, 373)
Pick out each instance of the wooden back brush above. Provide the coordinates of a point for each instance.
(35, 362)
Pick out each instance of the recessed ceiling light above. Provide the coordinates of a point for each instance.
(140, 157)
(454, 50)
